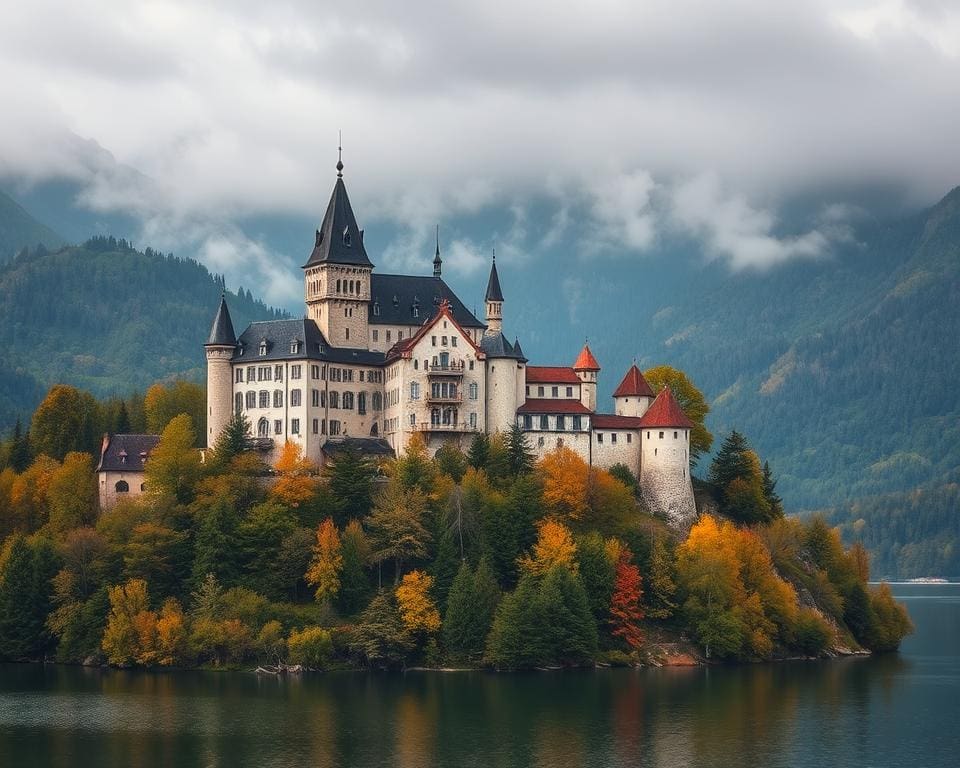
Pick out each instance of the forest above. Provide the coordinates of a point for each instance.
(476, 558)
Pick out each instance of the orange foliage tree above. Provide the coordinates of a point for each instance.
(297, 482)
(625, 611)
(566, 479)
(327, 562)
(417, 609)
(555, 546)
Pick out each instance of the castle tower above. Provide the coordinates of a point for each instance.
(587, 368)
(494, 300)
(633, 396)
(220, 346)
(665, 460)
(337, 274)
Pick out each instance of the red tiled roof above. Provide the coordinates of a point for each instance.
(665, 412)
(551, 374)
(612, 421)
(586, 361)
(633, 385)
(544, 405)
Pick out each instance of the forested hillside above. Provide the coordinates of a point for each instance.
(18, 229)
(105, 317)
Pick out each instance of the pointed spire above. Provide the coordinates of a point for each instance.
(339, 154)
(221, 332)
(437, 261)
(517, 351)
(493, 284)
(339, 240)
(586, 361)
(633, 385)
(665, 412)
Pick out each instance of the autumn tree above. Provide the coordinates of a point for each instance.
(380, 638)
(127, 623)
(625, 611)
(414, 470)
(565, 483)
(451, 461)
(164, 402)
(327, 562)
(29, 509)
(396, 527)
(354, 583)
(297, 483)
(66, 420)
(417, 609)
(691, 401)
(174, 465)
(479, 451)
(72, 493)
(555, 547)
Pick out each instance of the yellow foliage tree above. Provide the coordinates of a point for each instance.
(297, 483)
(417, 609)
(566, 478)
(327, 562)
(72, 493)
(28, 495)
(555, 546)
(171, 638)
(121, 638)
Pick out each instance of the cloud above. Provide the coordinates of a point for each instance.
(219, 110)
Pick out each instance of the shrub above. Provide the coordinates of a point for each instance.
(312, 647)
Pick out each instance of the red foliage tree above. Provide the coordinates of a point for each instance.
(625, 610)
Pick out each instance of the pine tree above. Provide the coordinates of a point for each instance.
(380, 637)
(597, 573)
(519, 456)
(19, 455)
(350, 478)
(216, 545)
(354, 582)
(27, 566)
(234, 439)
(730, 461)
(460, 631)
(770, 493)
(121, 424)
(479, 452)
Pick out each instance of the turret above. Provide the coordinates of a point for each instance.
(665, 460)
(437, 261)
(633, 396)
(586, 367)
(219, 349)
(494, 300)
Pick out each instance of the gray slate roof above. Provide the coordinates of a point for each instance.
(280, 334)
(396, 295)
(493, 284)
(221, 332)
(368, 446)
(339, 239)
(495, 345)
(125, 453)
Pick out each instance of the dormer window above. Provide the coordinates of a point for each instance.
(396, 301)
(123, 457)
(346, 237)
(295, 347)
(376, 309)
(263, 347)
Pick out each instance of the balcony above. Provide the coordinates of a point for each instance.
(444, 398)
(457, 426)
(453, 368)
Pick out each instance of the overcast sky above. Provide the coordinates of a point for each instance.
(623, 120)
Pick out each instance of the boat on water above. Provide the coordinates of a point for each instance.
(928, 580)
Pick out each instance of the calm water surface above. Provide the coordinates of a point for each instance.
(901, 710)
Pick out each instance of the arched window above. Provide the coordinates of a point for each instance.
(377, 401)
(473, 390)
(143, 487)
(362, 403)
(348, 401)
(238, 402)
(121, 487)
(263, 428)
(334, 399)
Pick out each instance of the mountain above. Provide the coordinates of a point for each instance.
(18, 229)
(105, 317)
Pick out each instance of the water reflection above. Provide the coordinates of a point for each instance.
(893, 710)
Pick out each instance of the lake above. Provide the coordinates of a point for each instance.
(899, 710)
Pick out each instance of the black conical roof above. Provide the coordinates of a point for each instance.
(493, 285)
(222, 330)
(339, 239)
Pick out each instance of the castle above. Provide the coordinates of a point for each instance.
(379, 357)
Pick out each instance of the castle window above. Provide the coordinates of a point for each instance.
(443, 341)
(561, 423)
(629, 438)
(376, 313)
(294, 398)
(599, 437)
(296, 371)
(348, 333)
(295, 347)
(399, 335)
(613, 437)
(576, 423)
(473, 420)
(453, 341)
(238, 402)
(376, 335)
(362, 403)
(278, 373)
(277, 426)
(527, 421)
(334, 399)
(315, 372)
(315, 398)
(471, 365)
(264, 399)
(388, 335)
(528, 390)
(263, 428)
(414, 390)
(555, 391)
(377, 401)
(294, 426)
(251, 399)
(674, 435)
(238, 376)
(655, 451)
(121, 487)
(334, 427)
(661, 435)
(323, 426)
(413, 419)
(648, 434)
(263, 348)
(347, 403)
(544, 422)
(264, 373)
(278, 398)
(338, 286)
(416, 365)
(433, 341)
(474, 389)
(251, 373)
(569, 391)
(143, 487)
(539, 391)
(346, 237)
(316, 426)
